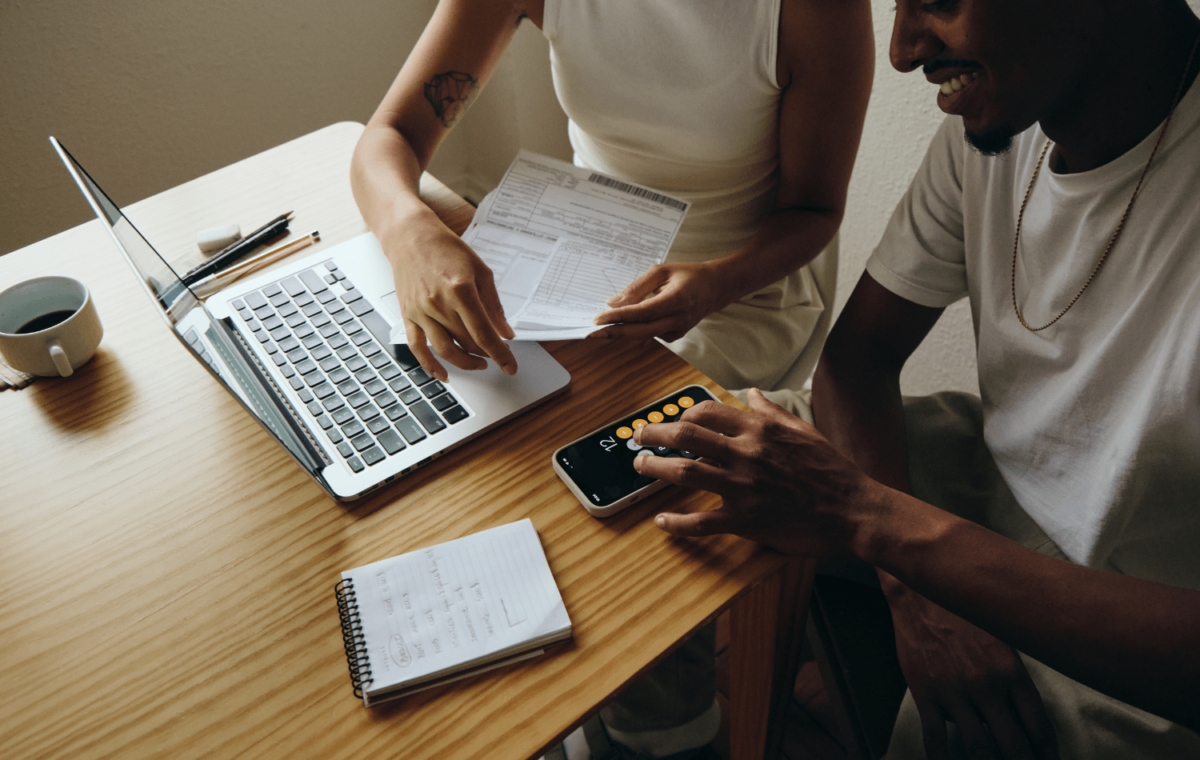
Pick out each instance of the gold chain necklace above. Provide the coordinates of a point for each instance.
(1120, 225)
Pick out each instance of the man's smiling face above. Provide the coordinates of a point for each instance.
(999, 64)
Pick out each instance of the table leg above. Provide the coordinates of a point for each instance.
(766, 630)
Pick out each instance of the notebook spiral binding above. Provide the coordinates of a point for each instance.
(352, 636)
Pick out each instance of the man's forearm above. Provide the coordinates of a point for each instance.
(1129, 638)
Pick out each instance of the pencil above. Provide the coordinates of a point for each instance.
(253, 264)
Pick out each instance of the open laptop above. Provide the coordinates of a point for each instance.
(305, 348)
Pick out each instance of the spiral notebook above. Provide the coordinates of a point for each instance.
(432, 616)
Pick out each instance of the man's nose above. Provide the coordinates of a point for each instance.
(913, 42)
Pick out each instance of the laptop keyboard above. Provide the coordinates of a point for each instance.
(370, 398)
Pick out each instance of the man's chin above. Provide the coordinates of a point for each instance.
(992, 142)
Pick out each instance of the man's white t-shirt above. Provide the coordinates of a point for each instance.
(1094, 422)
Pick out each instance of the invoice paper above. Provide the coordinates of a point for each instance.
(561, 240)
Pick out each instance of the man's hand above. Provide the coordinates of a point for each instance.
(781, 482)
(962, 674)
(664, 302)
(448, 297)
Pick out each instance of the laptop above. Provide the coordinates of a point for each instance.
(306, 349)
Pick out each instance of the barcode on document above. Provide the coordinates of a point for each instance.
(641, 192)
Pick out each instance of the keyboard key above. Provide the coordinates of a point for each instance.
(362, 442)
(346, 352)
(281, 333)
(256, 300)
(455, 414)
(239, 304)
(395, 412)
(323, 391)
(311, 340)
(380, 360)
(337, 341)
(334, 435)
(306, 366)
(342, 278)
(312, 308)
(331, 265)
(365, 375)
(337, 307)
(355, 464)
(375, 387)
(334, 404)
(287, 370)
(325, 296)
(400, 383)
(390, 441)
(356, 363)
(296, 320)
(373, 456)
(368, 412)
(289, 343)
(280, 360)
(410, 396)
(329, 363)
(360, 307)
(346, 387)
(443, 402)
(296, 382)
(360, 337)
(304, 298)
(297, 355)
(433, 389)
(321, 320)
(404, 357)
(246, 314)
(330, 279)
(324, 422)
(411, 431)
(339, 376)
(345, 450)
(343, 415)
(372, 349)
(321, 352)
(254, 325)
(357, 399)
(288, 309)
(353, 429)
(303, 331)
(385, 400)
(312, 280)
(292, 286)
(428, 418)
(419, 376)
(377, 425)
(262, 336)
(350, 296)
(272, 322)
(350, 326)
(271, 347)
(279, 299)
(272, 289)
(314, 378)
(306, 396)
(314, 408)
(327, 329)
(388, 371)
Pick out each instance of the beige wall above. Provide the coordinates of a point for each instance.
(149, 94)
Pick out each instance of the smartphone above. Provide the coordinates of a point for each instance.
(598, 468)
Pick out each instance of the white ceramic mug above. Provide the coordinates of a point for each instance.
(48, 326)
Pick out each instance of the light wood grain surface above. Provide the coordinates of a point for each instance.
(167, 571)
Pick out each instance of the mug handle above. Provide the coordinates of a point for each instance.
(59, 356)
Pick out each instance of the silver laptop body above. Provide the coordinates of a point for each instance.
(305, 348)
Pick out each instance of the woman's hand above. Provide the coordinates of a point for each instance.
(664, 302)
(448, 299)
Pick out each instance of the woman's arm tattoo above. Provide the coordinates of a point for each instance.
(450, 94)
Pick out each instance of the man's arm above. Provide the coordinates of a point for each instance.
(784, 485)
(825, 68)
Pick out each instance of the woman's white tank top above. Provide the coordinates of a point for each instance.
(678, 95)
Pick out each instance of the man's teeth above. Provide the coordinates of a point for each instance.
(951, 86)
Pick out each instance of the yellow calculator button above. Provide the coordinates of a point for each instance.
(670, 410)
(686, 401)
(639, 424)
(656, 416)
(624, 432)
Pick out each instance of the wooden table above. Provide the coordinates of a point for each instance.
(168, 571)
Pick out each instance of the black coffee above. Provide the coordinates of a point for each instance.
(44, 322)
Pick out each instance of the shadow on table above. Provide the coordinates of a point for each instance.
(96, 396)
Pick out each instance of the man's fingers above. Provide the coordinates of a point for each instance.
(645, 284)
(720, 418)
(1035, 721)
(933, 732)
(633, 331)
(682, 471)
(764, 406)
(684, 436)
(701, 523)
(1006, 731)
(976, 741)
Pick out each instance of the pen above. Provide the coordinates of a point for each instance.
(253, 264)
(235, 251)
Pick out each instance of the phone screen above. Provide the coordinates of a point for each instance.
(602, 463)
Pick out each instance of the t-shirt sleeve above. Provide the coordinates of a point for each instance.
(921, 256)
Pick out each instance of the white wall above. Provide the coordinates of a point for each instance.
(150, 93)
